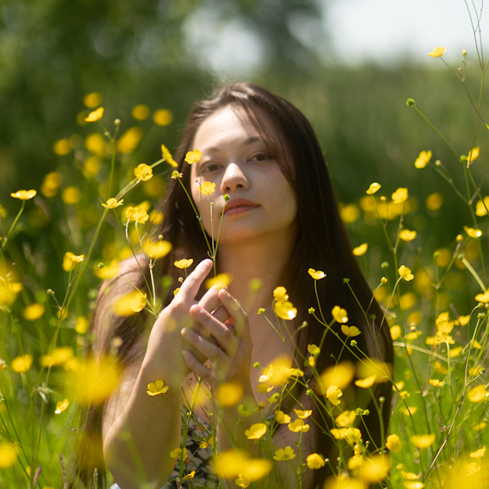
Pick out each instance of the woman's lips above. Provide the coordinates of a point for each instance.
(238, 206)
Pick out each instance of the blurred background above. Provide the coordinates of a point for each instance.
(349, 65)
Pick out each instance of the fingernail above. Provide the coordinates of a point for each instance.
(185, 353)
(185, 332)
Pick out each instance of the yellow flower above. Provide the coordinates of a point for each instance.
(81, 326)
(339, 375)
(477, 394)
(136, 214)
(157, 387)
(140, 112)
(189, 476)
(58, 356)
(24, 194)
(157, 249)
(437, 52)
(285, 310)
(229, 394)
(395, 332)
(351, 435)
(130, 304)
(423, 159)
(283, 454)
(177, 453)
(313, 350)
(374, 187)
(360, 250)
(193, 156)
(95, 115)
(70, 260)
(484, 298)
(405, 273)
(71, 195)
(106, 272)
(316, 274)
(207, 188)
(256, 431)
(298, 425)
(315, 461)
(33, 311)
(112, 203)
(407, 235)
(168, 156)
(481, 207)
(393, 443)
(61, 406)
(423, 441)
(221, 280)
(143, 172)
(280, 294)
(366, 382)
(479, 453)
(375, 469)
(8, 455)
(129, 141)
(400, 195)
(303, 414)
(185, 263)
(333, 394)
(282, 418)
(346, 419)
(175, 175)
(162, 117)
(473, 233)
(473, 155)
(339, 314)
(92, 99)
(436, 382)
(22, 363)
(350, 330)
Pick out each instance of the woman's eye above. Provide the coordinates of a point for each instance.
(209, 167)
(261, 157)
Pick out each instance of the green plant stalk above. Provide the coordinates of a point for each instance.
(12, 227)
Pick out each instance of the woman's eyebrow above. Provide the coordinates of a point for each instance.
(246, 142)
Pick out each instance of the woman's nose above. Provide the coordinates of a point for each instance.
(233, 179)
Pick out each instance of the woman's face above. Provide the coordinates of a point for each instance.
(262, 203)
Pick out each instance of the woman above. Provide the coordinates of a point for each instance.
(276, 216)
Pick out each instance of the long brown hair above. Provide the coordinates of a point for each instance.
(322, 243)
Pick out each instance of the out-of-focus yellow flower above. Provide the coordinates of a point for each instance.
(436, 382)
(343, 482)
(283, 454)
(140, 112)
(407, 301)
(50, 184)
(22, 363)
(70, 260)
(282, 418)
(346, 419)
(375, 469)
(350, 213)
(473, 233)
(393, 443)
(366, 382)
(157, 249)
(157, 387)
(229, 394)
(339, 376)
(8, 455)
(477, 394)
(168, 156)
(480, 426)
(423, 441)
(374, 187)
(177, 453)
(189, 476)
(298, 425)
(95, 115)
(71, 195)
(315, 461)
(350, 330)
(256, 431)
(192, 157)
(479, 453)
(234, 463)
(33, 312)
(112, 203)
(162, 117)
(351, 435)
(24, 194)
(81, 326)
(107, 271)
(221, 280)
(473, 155)
(434, 201)
(95, 143)
(313, 350)
(207, 188)
(130, 140)
(285, 310)
(184, 263)
(423, 159)
(61, 406)
(316, 274)
(62, 147)
(395, 332)
(405, 273)
(360, 250)
(481, 207)
(58, 356)
(130, 304)
(339, 315)
(400, 195)
(303, 414)
(333, 393)
(92, 100)
(484, 298)
(143, 172)
(437, 52)
(407, 235)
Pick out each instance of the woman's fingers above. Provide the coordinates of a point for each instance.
(191, 285)
(197, 368)
(211, 303)
(239, 317)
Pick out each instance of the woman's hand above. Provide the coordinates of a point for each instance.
(227, 344)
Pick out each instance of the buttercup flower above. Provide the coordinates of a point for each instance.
(477, 394)
(207, 188)
(473, 155)
(256, 431)
(366, 382)
(484, 298)
(136, 214)
(423, 159)
(22, 363)
(315, 461)
(24, 194)
(405, 273)
(393, 443)
(112, 203)
(189, 476)
(298, 425)
(157, 249)
(303, 414)
(280, 294)
(374, 187)
(184, 263)
(285, 310)
(316, 274)
(407, 235)
(193, 156)
(70, 260)
(333, 394)
(61, 406)
(340, 315)
(360, 250)
(168, 157)
(157, 387)
(437, 52)
(350, 330)
(423, 441)
(283, 454)
(400, 195)
(143, 172)
(95, 115)
(479, 453)
(473, 233)
(33, 311)
(177, 453)
(282, 418)
(346, 419)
